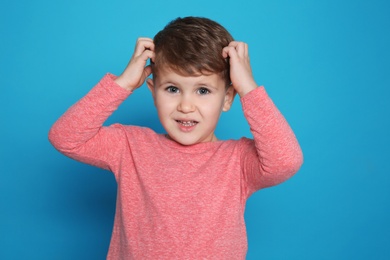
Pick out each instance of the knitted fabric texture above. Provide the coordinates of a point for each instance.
(175, 201)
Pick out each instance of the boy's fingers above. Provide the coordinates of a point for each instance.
(142, 45)
(224, 53)
(233, 43)
(229, 51)
(246, 50)
(147, 54)
(240, 47)
(143, 40)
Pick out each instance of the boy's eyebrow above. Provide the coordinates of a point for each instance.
(207, 85)
(168, 81)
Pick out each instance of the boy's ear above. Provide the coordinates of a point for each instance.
(150, 84)
(229, 97)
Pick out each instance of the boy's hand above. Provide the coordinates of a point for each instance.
(240, 68)
(136, 71)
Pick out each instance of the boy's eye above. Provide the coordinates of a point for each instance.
(203, 91)
(172, 89)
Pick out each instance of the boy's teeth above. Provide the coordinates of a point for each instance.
(187, 123)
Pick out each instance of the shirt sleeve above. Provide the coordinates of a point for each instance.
(274, 154)
(79, 133)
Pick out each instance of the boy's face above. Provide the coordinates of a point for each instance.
(189, 106)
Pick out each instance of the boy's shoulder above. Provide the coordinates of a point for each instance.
(135, 131)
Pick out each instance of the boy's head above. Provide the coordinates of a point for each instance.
(192, 46)
(191, 83)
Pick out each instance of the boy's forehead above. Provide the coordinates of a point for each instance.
(172, 76)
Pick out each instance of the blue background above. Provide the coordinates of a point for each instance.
(324, 63)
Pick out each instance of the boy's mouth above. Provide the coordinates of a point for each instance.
(187, 123)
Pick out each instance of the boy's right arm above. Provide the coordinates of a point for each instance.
(79, 133)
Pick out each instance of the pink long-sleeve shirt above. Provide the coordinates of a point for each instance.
(175, 201)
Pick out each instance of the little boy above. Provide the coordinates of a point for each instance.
(182, 195)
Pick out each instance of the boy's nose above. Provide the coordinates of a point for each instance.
(185, 105)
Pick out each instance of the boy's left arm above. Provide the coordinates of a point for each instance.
(276, 154)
